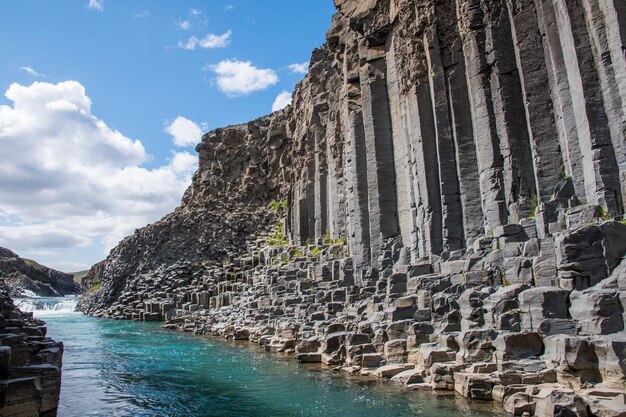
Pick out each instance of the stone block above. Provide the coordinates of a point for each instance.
(473, 386)
(598, 310)
(537, 304)
(511, 346)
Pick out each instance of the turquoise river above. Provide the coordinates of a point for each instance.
(113, 368)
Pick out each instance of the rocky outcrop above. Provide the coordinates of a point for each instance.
(23, 277)
(241, 169)
(441, 205)
(30, 363)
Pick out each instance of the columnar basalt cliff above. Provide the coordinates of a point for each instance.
(30, 363)
(441, 204)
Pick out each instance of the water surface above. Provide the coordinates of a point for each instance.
(114, 368)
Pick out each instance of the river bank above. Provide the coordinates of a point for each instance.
(129, 368)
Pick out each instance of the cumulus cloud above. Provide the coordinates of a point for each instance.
(31, 71)
(236, 78)
(184, 163)
(184, 132)
(282, 101)
(210, 41)
(302, 68)
(70, 179)
(195, 12)
(97, 5)
(141, 15)
(229, 8)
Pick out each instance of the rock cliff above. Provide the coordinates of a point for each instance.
(23, 277)
(441, 205)
(30, 363)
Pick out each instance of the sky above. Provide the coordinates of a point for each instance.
(103, 101)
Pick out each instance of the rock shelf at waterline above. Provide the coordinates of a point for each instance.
(137, 369)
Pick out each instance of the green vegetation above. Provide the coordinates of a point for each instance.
(278, 238)
(298, 253)
(564, 175)
(604, 215)
(534, 203)
(279, 207)
(30, 262)
(95, 286)
(329, 241)
(315, 252)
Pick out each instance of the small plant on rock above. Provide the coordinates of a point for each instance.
(279, 207)
(328, 240)
(534, 203)
(604, 215)
(278, 238)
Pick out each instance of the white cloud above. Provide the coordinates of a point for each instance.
(302, 68)
(195, 12)
(69, 266)
(210, 41)
(31, 71)
(282, 101)
(236, 78)
(143, 14)
(71, 180)
(183, 25)
(97, 5)
(184, 132)
(40, 236)
(184, 163)
(229, 8)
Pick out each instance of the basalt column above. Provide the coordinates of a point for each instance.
(472, 28)
(461, 129)
(451, 210)
(600, 170)
(403, 157)
(336, 178)
(383, 218)
(561, 95)
(519, 180)
(530, 59)
(356, 165)
(321, 174)
(599, 15)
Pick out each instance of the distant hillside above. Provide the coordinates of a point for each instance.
(24, 276)
(79, 276)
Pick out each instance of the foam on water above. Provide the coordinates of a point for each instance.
(45, 306)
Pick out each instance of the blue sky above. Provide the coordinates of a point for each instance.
(102, 102)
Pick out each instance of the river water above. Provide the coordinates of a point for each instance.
(113, 368)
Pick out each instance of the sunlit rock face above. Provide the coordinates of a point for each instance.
(455, 177)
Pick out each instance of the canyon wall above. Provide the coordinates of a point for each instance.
(438, 121)
(442, 202)
(24, 277)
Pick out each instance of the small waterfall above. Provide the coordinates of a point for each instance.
(47, 305)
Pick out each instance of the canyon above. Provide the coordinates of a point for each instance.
(442, 205)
